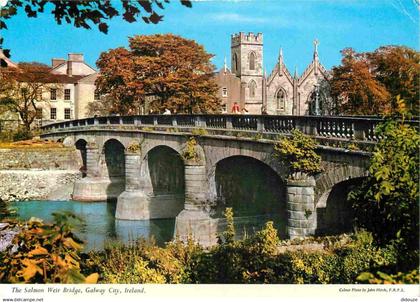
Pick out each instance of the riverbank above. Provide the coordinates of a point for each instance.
(18, 185)
(38, 170)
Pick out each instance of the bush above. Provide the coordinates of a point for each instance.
(21, 134)
(387, 202)
(44, 253)
(299, 153)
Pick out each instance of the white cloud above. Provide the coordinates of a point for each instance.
(237, 18)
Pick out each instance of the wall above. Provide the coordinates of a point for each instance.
(38, 173)
(44, 159)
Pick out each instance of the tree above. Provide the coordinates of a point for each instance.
(398, 69)
(22, 88)
(355, 88)
(85, 12)
(387, 202)
(116, 83)
(172, 72)
(369, 83)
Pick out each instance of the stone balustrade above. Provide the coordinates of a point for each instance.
(326, 127)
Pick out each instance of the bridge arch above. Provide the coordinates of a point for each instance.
(80, 145)
(112, 163)
(334, 211)
(255, 191)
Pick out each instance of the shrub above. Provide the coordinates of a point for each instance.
(299, 153)
(190, 151)
(387, 202)
(21, 134)
(45, 253)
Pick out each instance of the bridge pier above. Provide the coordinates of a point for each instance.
(93, 187)
(133, 203)
(194, 220)
(301, 211)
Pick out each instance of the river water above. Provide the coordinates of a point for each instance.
(100, 227)
(99, 224)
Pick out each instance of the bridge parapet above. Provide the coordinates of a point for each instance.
(323, 127)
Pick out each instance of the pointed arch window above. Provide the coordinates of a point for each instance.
(252, 88)
(281, 100)
(252, 61)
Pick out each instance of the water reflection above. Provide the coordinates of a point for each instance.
(100, 226)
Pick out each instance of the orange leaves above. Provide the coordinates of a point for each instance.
(29, 270)
(38, 251)
(170, 71)
(368, 83)
(45, 253)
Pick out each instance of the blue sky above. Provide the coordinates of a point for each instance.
(292, 25)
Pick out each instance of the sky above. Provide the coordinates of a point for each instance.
(292, 25)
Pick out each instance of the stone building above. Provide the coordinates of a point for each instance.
(278, 93)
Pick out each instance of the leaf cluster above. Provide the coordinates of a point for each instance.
(387, 202)
(368, 83)
(45, 253)
(298, 152)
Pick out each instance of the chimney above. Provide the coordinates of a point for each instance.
(76, 57)
(57, 61)
(69, 68)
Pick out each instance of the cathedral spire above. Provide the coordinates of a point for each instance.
(316, 43)
(295, 76)
(316, 60)
(225, 65)
(281, 62)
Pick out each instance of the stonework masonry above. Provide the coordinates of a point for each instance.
(38, 174)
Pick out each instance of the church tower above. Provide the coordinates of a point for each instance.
(247, 64)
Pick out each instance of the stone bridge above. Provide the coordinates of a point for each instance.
(190, 167)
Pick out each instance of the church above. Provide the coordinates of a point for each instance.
(279, 93)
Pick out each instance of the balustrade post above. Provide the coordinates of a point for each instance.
(300, 124)
(229, 122)
(359, 128)
(95, 121)
(174, 121)
(155, 120)
(260, 124)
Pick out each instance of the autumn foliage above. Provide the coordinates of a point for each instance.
(369, 83)
(161, 72)
(21, 89)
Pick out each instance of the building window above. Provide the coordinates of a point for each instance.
(38, 114)
(252, 88)
(67, 94)
(53, 113)
(224, 92)
(96, 95)
(66, 113)
(281, 100)
(252, 61)
(53, 94)
(235, 62)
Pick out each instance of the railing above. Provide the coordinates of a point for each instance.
(349, 128)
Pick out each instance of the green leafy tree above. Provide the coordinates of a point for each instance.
(387, 202)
